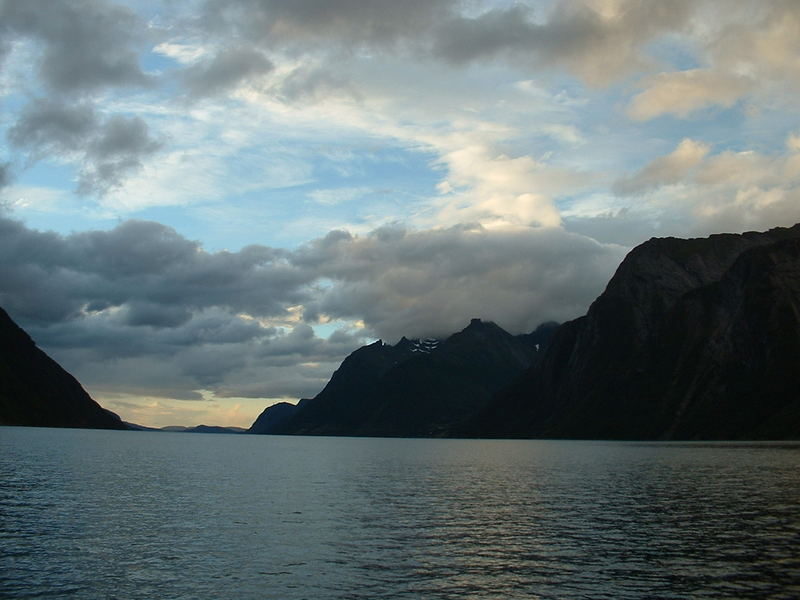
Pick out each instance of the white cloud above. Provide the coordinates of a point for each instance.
(681, 93)
(665, 170)
(694, 192)
(183, 53)
(335, 196)
(793, 142)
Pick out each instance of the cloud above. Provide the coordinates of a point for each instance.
(5, 174)
(749, 49)
(49, 127)
(683, 92)
(141, 295)
(227, 69)
(116, 150)
(757, 39)
(497, 190)
(532, 118)
(666, 169)
(319, 24)
(108, 149)
(429, 283)
(598, 41)
(86, 44)
(335, 196)
(694, 192)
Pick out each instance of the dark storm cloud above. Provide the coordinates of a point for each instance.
(108, 148)
(431, 283)
(85, 44)
(49, 127)
(116, 151)
(399, 282)
(141, 293)
(598, 47)
(138, 262)
(228, 68)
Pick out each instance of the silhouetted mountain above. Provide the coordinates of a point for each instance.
(214, 429)
(414, 388)
(275, 418)
(692, 339)
(135, 427)
(36, 391)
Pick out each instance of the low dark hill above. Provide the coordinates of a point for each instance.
(415, 388)
(36, 391)
(692, 339)
(214, 429)
(275, 418)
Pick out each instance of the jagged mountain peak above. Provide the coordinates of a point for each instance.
(416, 387)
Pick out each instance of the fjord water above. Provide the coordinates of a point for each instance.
(106, 514)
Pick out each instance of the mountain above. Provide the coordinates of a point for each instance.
(36, 391)
(214, 429)
(414, 388)
(275, 418)
(692, 339)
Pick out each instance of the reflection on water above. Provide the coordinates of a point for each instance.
(155, 515)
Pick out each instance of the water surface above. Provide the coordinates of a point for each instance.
(106, 514)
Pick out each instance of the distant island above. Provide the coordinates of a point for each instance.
(692, 339)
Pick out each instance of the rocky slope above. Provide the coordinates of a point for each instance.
(414, 388)
(692, 339)
(36, 391)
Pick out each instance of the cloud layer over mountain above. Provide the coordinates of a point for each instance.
(222, 198)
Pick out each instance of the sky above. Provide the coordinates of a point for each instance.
(206, 205)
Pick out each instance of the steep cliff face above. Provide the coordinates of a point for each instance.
(416, 388)
(691, 339)
(36, 391)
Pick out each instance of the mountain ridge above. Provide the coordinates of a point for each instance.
(36, 391)
(412, 388)
(684, 331)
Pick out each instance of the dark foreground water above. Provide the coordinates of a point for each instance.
(94, 514)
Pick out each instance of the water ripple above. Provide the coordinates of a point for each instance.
(90, 514)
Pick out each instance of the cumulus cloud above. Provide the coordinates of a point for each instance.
(86, 45)
(429, 283)
(692, 191)
(683, 92)
(746, 50)
(46, 126)
(108, 149)
(116, 150)
(665, 170)
(497, 190)
(141, 292)
(598, 41)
